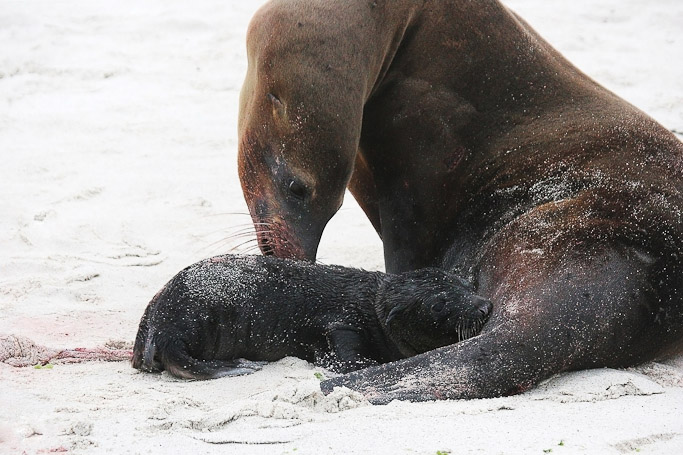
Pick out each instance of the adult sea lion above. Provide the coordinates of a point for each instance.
(472, 145)
(220, 310)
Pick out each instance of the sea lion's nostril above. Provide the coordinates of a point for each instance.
(484, 306)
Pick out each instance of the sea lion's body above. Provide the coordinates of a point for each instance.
(472, 145)
(227, 308)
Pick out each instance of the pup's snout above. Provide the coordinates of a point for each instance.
(483, 306)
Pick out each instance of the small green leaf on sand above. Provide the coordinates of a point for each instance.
(319, 376)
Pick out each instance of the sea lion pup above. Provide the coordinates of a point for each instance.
(221, 310)
(473, 146)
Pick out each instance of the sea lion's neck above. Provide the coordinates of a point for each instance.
(369, 286)
(378, 330)
(381, 304)
(327, 69)
(357, 286)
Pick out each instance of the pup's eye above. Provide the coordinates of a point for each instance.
(438, 307)
(298, 190)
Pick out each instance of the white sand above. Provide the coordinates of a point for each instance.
(118, 147)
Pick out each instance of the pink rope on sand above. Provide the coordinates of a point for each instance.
(102, 354)
(20, 351)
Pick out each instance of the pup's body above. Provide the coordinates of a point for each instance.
(227, 308)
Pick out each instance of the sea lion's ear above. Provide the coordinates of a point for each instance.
(279, 111)
(398, 314)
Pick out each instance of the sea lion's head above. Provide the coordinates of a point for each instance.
(430, 308)
(298, 135)
(292, 174)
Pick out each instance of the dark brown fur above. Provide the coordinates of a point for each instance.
(474, 146)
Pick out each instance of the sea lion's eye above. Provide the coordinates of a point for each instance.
(278, 107)
(298, 190)
(438, 307)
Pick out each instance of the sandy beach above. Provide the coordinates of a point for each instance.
(118, 143)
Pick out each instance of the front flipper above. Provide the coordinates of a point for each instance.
(493, 364)
(349, 350)
(596, 312)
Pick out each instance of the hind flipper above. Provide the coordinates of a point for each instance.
(238, 367)
(349, 350)
(211, 369)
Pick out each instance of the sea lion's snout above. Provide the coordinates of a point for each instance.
(285, 229)
(472, 321)
(279, 240)
(482, 307)
(281, 237)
